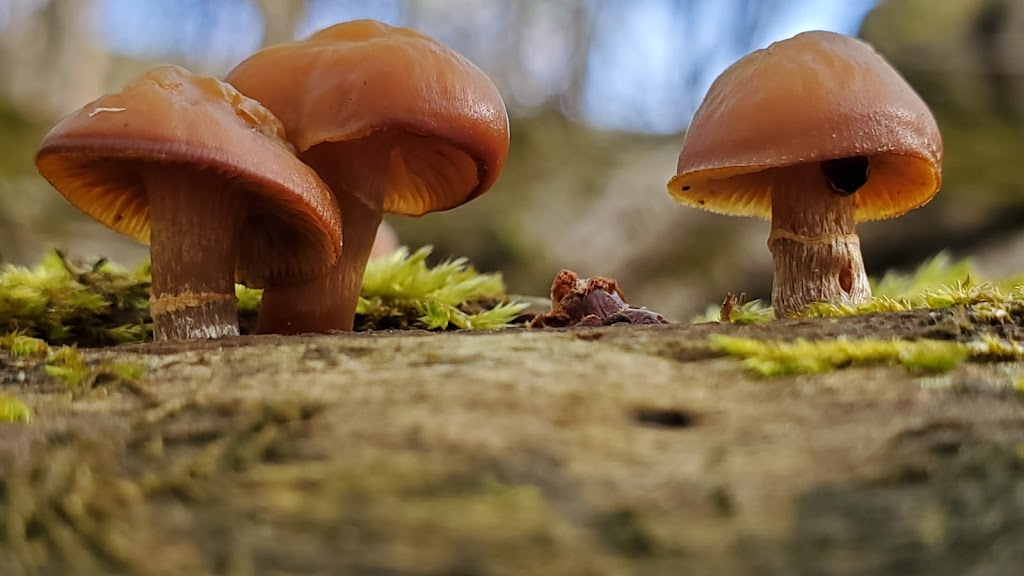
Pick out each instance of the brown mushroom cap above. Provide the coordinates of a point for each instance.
(171, 117)
(814, 97)
(437, 118)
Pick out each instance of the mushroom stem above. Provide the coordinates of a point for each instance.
(327, 303)
(814, 246)
(193, 246)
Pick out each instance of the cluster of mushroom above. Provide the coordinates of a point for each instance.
(279, 177)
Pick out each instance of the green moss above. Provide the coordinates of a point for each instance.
(939, 270)
(13, 410)
(68, 365)
(995, 349)
(58, 303)
(781, 358)
(397, 501)
(939, 282)
(248, 300)
(20, 345)
(400, 290)
(776, 358)
(124, 371)
(623, 530)
(989, 296)
(753, 312)
(61, 304)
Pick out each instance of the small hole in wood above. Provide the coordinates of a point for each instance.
(663, 417)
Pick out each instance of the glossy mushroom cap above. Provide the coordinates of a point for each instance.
(168, 117)
(436, 118)
(817, 96)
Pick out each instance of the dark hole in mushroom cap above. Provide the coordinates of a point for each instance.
(846, 175)
(663, 417)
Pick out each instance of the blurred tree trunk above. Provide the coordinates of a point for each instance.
(280, 19)
(572, 97)
(51, 65)
(989, 29)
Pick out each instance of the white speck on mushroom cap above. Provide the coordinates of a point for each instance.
(102, 109)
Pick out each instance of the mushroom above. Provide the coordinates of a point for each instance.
(394, 122)
(816, 133)
(207, 177)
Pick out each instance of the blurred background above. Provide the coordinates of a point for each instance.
(599, 93)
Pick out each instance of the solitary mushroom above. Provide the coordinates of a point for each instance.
(394, 122)
(815, 133)
(207, 177)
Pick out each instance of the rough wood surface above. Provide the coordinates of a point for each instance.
(615, 450)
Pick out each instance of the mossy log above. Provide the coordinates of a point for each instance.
(612, 450)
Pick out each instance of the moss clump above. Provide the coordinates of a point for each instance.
(68, 366)
(20, 345)
(70, 510)
(778, 358)
(248, 301)
(769, 359)
(104, 304)
(401, 291)
(989, 296)
(13, 410)
(995, 349)
(623, 530)
(753, 312)
(939, 282)
(939, 270)
(60, 303)
(447, 521)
